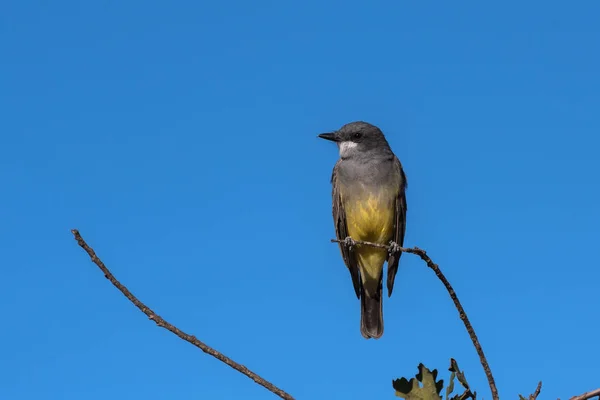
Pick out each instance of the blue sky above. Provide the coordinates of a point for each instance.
(180, 138)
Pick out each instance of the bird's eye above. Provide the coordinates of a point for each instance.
(357, 135)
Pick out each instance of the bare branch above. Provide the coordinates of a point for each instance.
(537, 392)
(164, 324)
(587, 395)
(461, 311)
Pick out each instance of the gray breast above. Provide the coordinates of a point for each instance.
(370, 173)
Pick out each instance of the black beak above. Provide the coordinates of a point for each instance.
(329, 136)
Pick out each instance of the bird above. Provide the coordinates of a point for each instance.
(369, 204)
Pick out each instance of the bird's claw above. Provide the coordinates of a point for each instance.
(394, 248)
(349, 242)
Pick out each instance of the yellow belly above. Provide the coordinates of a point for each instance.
(371, 218)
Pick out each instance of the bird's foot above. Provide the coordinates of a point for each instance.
(349, 242)
(394, 248)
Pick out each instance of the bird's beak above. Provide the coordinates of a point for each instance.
(329, 136)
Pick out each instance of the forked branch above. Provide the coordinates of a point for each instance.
(266, 384)
(164, 324)
(461, 311)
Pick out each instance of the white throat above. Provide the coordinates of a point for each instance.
(347, 148)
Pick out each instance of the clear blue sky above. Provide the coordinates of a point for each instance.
(180, 138)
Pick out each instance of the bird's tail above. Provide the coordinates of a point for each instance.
(371, 315)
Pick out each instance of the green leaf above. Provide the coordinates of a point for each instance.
(428, 389)
(450, 387)
(456, 372)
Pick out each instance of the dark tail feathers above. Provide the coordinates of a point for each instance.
(371, 315)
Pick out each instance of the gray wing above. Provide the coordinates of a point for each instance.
(400, 228)
(341, 232)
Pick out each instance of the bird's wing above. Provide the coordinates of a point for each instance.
(400, 228)
(341, 232)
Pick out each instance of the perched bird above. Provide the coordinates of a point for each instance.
(369, 204)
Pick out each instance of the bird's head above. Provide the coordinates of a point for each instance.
(357, 138)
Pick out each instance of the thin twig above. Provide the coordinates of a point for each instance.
(164, 324)
(587, 395)
(537, 392)
(461, 311)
